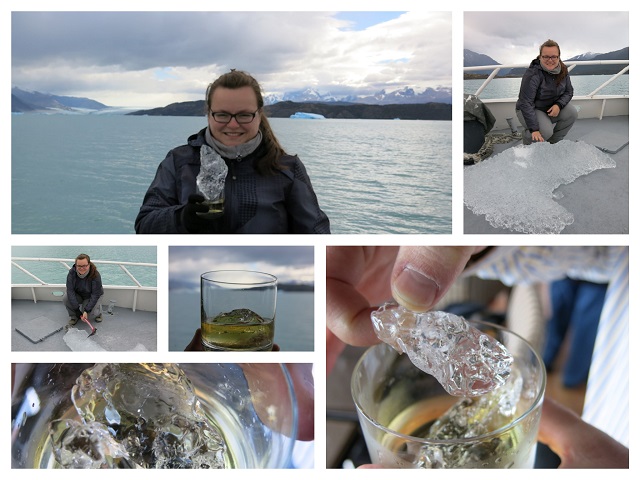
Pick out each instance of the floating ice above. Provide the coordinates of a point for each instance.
(464, 360)
(136, 416)
(312, 116)
(213, 173)
(514, 189)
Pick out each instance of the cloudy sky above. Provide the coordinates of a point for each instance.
(149, 59)
(291, 264)
(515, 37)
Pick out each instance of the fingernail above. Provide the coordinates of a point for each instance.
(415, 289)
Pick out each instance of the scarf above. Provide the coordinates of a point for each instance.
(238, 151)
(84, 274)
(555, 71)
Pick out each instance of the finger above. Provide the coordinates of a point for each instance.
(302, 379)
(196, 198)
(422, 275)
(196, 343)
(348, 311)
(334, 349)
(578, 444)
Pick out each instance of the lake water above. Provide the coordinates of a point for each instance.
(294, 320)
(87, 174)
(582, 85)
(53, 272)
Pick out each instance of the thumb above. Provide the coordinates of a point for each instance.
(422, 275)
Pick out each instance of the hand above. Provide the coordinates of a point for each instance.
(189, 215)
(578, 444)
(553, 111)
(536, 136)
(361, 278)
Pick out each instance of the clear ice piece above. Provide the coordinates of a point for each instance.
(242, 316)
(136, 416)
(213, 173)
(514, 189)
(464, 360)
(474, 417)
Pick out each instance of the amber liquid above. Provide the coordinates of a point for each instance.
(251, 337)
(216, 209)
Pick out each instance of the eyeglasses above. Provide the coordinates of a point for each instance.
(224, 117)
(82, 266)
(552, 57)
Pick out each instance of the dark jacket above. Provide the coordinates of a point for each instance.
(283, 202)
(539, 91)
(80, 289)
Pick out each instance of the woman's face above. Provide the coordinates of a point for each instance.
(234, 101)
(550, 57)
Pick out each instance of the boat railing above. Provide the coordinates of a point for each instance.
(67, 263)
(495, 69)
(593, 105)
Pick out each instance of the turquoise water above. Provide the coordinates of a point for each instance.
(582, 85)
(53, 272)
(87, 174)
(294, 320)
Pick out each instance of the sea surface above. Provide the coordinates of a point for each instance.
(56, 273)
(87, 174)
(294, 320)
(582, 85)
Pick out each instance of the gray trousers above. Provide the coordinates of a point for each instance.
(75, 312)
(553, 129)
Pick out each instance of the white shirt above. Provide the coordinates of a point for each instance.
(607, 399)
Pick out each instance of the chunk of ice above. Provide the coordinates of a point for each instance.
(465, 361)
(514, 189)
(213, 173)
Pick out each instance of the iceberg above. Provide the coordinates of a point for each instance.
(313, 116)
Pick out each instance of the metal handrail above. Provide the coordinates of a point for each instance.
(571, 64)
(65, 262)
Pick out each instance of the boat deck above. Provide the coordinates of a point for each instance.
(598, 201)
(125, 330)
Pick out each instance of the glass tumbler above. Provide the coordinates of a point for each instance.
(238, 310)
(399, 407)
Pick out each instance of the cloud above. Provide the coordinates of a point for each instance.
(288, 263)
(514, 37)
(116, 57)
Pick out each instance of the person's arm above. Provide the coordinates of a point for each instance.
(303, 209)
(96, 292)
(160, 210)
(566, 97)
(71, 290)
(526, 99)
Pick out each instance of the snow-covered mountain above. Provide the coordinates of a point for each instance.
(404, 95)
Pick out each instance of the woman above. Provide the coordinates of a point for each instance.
(84, 292)
(543, 106)
(265, 190)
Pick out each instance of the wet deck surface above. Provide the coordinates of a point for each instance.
(125, 330)
(598, 201)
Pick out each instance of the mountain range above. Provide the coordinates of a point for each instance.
(23, 101)
(474, 59)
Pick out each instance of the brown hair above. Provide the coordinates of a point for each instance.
(93, 270)
(563, 68)
(234, 79)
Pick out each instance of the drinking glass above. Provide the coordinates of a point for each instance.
(215, 206)
(398, 404)
(238, 310)
(252, 405)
